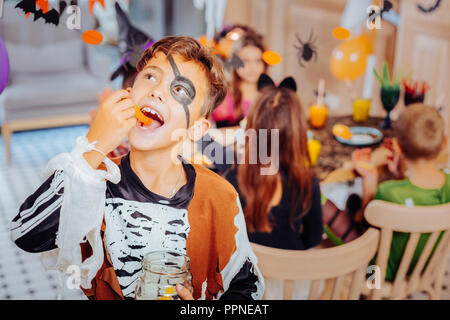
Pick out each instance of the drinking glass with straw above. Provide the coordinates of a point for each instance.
(318, 112)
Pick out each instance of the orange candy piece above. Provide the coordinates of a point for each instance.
(342, 131)
(142, 117)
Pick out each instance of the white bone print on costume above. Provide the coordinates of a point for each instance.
(135, 228)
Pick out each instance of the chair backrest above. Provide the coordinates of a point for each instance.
(390, 218)
(334, 265)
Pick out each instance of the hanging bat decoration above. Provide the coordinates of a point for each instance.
(307, 50)
(234, 63)
(132, 42)
(429, 9)
(49, 16)
(28, 6)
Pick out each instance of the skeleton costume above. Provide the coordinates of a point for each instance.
(106, 221)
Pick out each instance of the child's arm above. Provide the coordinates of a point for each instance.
(34, 228)
(369, 173)
(73, 182)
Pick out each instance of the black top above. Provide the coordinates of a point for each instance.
(131, 187)
(283, 236)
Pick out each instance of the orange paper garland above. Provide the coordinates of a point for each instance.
(92, 3)
(271, 57)
(92, 37)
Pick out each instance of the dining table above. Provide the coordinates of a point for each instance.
(335, 155)
(334, 162)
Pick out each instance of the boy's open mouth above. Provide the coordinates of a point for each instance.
(149, 112)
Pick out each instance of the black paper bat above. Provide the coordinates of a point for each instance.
(52, 16)
(235, 62)
(28, 6)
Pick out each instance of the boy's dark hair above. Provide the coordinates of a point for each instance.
(420, 132)
(191, 50)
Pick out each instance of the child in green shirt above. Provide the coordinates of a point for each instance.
(420, 138)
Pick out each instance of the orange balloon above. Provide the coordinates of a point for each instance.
(92, 37)
(271, 57)
(348, 60)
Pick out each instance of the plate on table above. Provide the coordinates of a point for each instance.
(362, 136)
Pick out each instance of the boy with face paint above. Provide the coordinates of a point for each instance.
(104, 217)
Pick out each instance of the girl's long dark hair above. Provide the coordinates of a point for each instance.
(277, 108)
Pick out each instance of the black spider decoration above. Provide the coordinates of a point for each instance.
(306, 50)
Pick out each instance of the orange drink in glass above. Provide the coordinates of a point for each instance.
(361, 109)
(318, 115)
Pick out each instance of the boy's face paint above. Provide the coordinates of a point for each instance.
(155, 88)
(182, 89)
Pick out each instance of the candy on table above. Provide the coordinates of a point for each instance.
(342, 131)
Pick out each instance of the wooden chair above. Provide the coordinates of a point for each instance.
(335, 265)
(390, 217)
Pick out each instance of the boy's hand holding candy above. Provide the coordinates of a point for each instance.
(115, 117)
(362, 161)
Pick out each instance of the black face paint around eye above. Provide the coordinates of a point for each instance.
(185, 83)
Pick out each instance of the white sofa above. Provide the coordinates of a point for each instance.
(55, 77)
